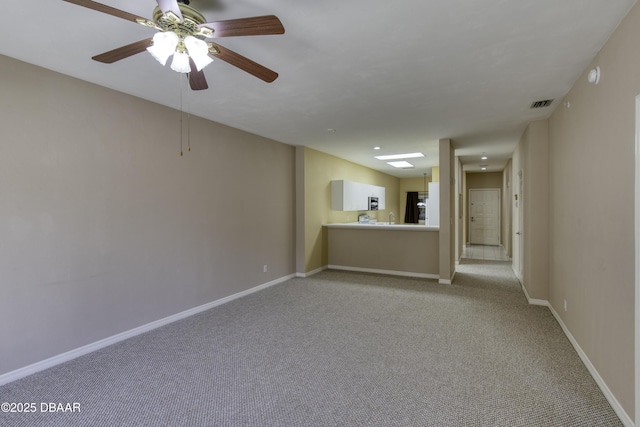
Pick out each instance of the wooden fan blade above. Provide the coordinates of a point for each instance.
(257, 26)
(123, 52)
(170, 6)
(197, 81)
(245, 64)
(106, 9)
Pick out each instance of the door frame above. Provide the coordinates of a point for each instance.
(637, 262)
(499, 210)
(520, 232)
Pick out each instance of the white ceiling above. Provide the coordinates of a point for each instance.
(398, 74)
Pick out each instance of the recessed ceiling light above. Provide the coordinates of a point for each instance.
(401, 164)
(377, 148)
(399, 156)
(483, 158)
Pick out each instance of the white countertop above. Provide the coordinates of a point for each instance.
(383, 226)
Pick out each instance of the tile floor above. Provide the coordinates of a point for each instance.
(495, 253)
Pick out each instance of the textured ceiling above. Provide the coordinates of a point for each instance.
(400, 75)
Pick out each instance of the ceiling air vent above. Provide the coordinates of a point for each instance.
(541, 104)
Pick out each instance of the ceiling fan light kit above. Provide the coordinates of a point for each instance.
(181, 62)
(164, 45)
(198, 51)
(182, 31)
(180, 36)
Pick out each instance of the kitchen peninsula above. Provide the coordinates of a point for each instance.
(399, 249)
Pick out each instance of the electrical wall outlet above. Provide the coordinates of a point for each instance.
(264, 269)
(565, 305)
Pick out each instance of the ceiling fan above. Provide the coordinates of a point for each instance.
(182, 32)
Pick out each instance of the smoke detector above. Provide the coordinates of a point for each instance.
(594, 76)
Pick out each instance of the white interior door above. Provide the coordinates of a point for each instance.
(517, 240)
(520, 232)
(484, 216)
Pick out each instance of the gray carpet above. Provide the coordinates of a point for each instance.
(336, 349)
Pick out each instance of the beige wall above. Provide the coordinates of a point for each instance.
(592, 204)
(484, 180)
(533, 162)
(104, 227)
(400, 251)
(447, 239)
(435, 174)
(319, 170)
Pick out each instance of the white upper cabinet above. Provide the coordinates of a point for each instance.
(354, 196)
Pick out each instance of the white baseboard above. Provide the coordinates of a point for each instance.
(504, 250)
(389, 272)
(624, 417)
(72, 354)
(312, 272)
(517, 274)
(447, 282)
(533, 301)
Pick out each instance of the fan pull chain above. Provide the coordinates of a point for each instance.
(188, 118)
(188, 100)
(181, 132)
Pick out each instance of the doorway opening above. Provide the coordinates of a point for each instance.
(484, 252)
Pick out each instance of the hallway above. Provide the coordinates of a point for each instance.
(491, 253)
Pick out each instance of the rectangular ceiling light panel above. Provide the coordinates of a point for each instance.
(399, 156)
(401, 164)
